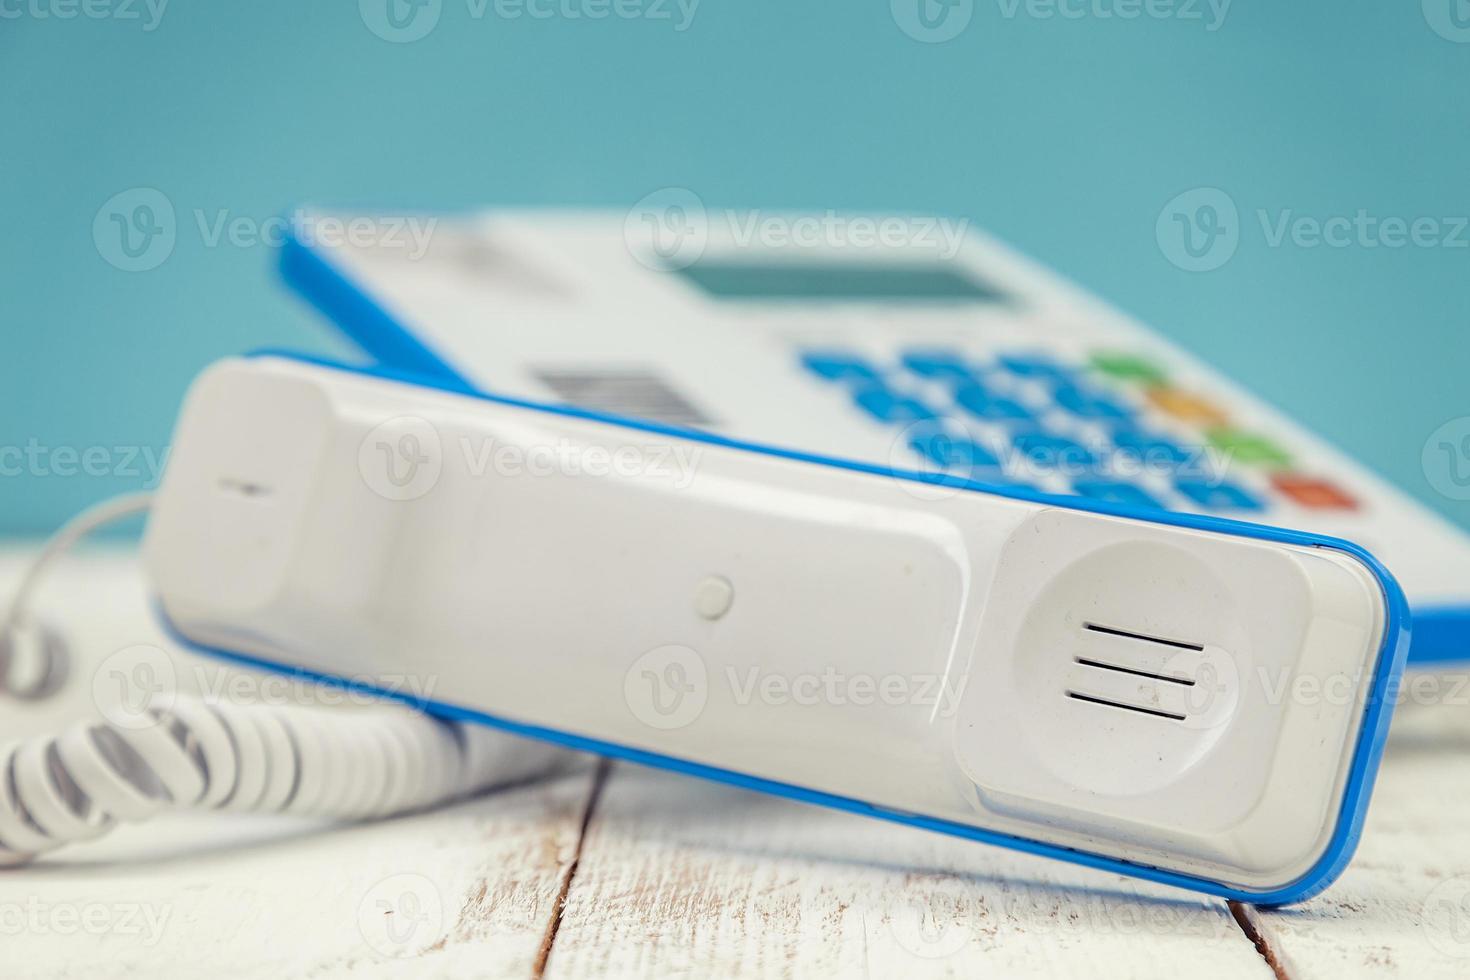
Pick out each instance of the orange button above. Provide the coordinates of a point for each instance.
(1183, 405)
(1309, 491)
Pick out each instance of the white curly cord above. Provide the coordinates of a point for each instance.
(19, 632)
(354, 764)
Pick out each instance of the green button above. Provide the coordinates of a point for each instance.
(1128, 368)
(1247, 447)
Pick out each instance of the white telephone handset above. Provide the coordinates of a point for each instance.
(1179, 698)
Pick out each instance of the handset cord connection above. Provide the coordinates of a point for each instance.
(358, 763)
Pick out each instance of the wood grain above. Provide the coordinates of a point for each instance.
(681, 877)
(473, 888)
(1402, 909)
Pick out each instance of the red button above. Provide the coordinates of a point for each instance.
(1309, 491)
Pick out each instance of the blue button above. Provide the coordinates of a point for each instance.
(1116, 493)
(838, 366)
(1222, 496)
(1037, 366)
(952, 451)
(938, 364)
(1050, 450)
(1150, 448)
(982, 404)
(885, 406)
(1090, 405)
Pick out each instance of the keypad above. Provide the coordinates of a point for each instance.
(886, 405)
(1110, 426)
(988, 406)
(839, 366)
(1313, 492)
(953, 451)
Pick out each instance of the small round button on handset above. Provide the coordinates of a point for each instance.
(713, 597)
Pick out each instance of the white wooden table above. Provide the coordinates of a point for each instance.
(617, 870)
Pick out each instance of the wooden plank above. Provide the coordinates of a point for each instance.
(1402, 909)
(682, 877)
(467, 891)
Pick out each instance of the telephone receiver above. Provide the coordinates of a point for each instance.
(1179, 698)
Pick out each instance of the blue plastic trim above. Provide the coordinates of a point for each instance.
(1441, 636)
(347, 305)
(1382, 694)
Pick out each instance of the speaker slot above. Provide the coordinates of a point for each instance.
(1129, 635)
(1186, 681)
(1126, 707)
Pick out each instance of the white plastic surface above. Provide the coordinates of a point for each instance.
(912, 647)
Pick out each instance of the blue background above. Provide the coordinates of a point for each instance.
(1066, 136)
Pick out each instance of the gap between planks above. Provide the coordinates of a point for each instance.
(599, 779)
(1245, 916)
